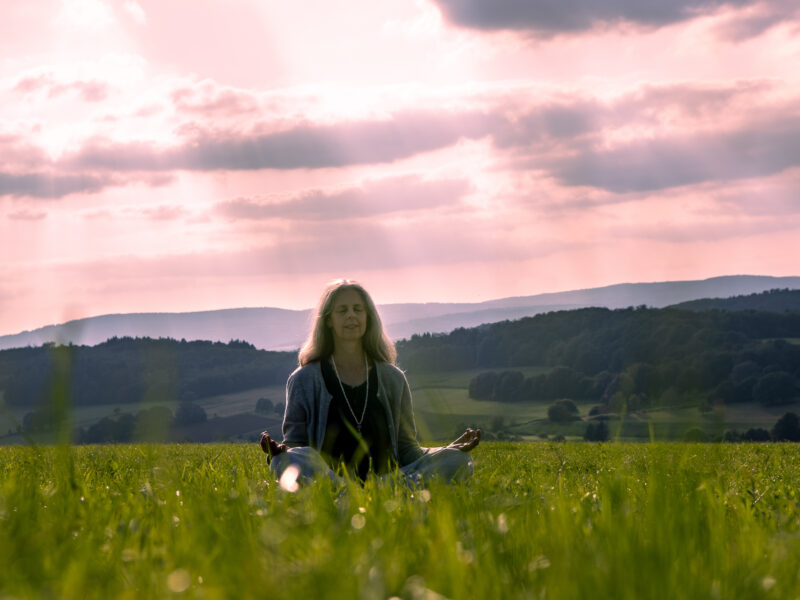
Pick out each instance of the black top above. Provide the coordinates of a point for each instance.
(342, 445)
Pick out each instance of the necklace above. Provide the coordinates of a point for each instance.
(366, 395)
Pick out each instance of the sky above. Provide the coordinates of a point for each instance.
(171, 156)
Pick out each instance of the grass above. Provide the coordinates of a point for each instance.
(537, 521)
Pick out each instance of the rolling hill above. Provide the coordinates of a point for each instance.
(282, 329)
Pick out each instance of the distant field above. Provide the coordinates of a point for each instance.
(551, 520)
(442, 405)
(226, 405)
(442, 402)
(461, 379)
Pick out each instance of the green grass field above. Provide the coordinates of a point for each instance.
(548, 520)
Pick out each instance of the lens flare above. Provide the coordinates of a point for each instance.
(288, 480)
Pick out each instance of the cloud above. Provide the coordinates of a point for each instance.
(60, 184)
(304, 146)
(17, 152)
(374, 197)
(708, 231)
(135, 11)
(164, 213)
(45, 185)
(755, 20)
(554, 121)
(209, 99)
(760, 149)
(88, 90)
(85, 15)
(765, 197)
(654, 137)
(545, 18)
(321, 247)
(27, 215)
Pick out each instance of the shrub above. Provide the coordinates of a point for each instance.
(756, 434)
(189, 413)
(695, 434)
(264, 405)
(596, 432)
(562, 411)
(787, 429)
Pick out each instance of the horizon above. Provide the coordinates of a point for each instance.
(436, 151)
(384, 304)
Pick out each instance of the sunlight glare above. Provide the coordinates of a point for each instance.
(288, 479)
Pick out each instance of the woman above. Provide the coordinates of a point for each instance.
(348, 407)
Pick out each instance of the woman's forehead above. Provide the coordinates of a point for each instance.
(348, 296)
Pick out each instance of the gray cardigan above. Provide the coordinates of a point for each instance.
(308, 400)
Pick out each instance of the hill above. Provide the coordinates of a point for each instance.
(619, 361)
(282, 329)
(771, 301)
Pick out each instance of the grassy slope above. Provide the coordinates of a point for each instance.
(560, 521)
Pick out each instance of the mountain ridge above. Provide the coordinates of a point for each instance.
(273, 328)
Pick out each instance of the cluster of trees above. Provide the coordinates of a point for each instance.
(628, 359)
(150, 424)
(786, 429)
(778, 300)
(133, 370)
(265, 406)
(560, 382)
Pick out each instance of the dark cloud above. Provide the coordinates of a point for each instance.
(571, 122)
(764, 17)
(58, 184)
(647, 165)
(305, 146)
(43, 185)
(546, 18)
(553, 122)
(18, 153)
(373, 198)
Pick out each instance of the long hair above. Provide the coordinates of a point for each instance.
(319, 344)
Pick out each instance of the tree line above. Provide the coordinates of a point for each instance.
(625, 359)
(132, 370)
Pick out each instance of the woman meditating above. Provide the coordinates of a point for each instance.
(348, 407)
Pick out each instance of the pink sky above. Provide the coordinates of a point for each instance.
(177, 156)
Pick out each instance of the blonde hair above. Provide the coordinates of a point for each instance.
(319, 344)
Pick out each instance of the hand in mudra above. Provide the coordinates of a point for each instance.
(270, 446)
(467, 440)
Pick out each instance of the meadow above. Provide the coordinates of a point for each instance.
(545, 520)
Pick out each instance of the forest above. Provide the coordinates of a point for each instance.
(629, 358)
(134, 370)
(622, 360)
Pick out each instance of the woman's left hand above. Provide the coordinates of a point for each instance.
(467, 440)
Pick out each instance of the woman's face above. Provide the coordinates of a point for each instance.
(348, 321)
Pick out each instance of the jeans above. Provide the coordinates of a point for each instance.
(447, 464)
